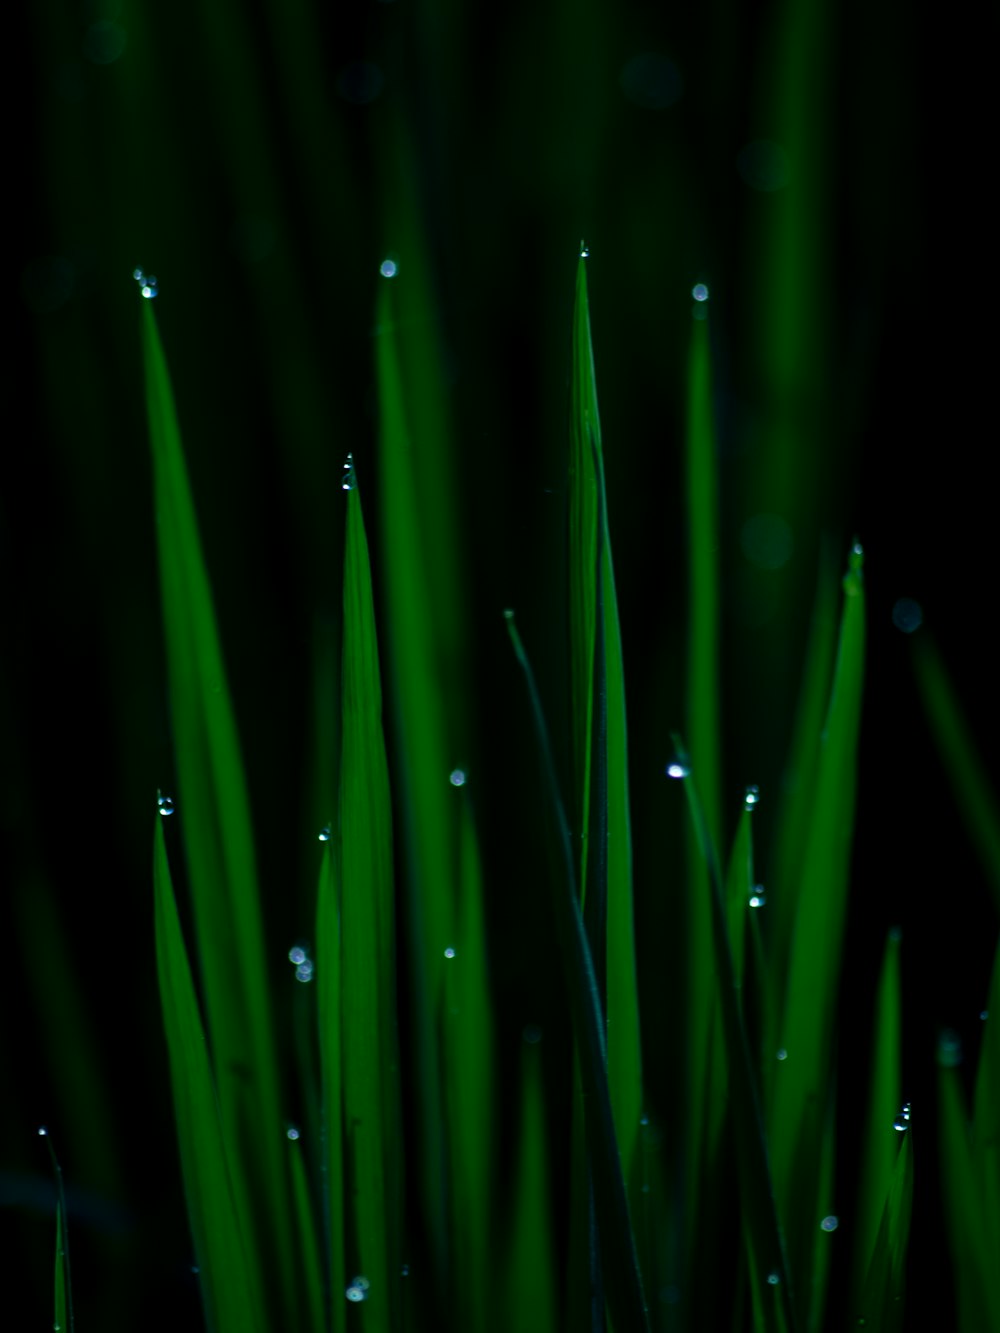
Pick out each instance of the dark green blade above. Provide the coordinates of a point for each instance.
(229, 1278)
(622, 1281)
(217, 832)
(368, 990)
(882, 1300)
(885, 1098)
(977, 802)
(329, 983)
(769, 1265)
(803, 1087)
(531, 1265)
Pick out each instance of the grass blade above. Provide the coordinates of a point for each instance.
(977, 802)
(63, 1288)
(328, 964)
(885, 1098)
(368, 992)
(623, 1283)
(803, 1089)
(882, 1302)
(767, 1258)
(531, 1263)
(217, 834)
(229, 1280)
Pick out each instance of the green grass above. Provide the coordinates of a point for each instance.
(566, 1044)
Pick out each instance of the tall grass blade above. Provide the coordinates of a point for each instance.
(882, 1301)
(623, 1284)
(602, 743)
(329, 983)
(217, 834)
(769, 1265)
(62, 1286)
(803, 1086)
(230, 1278)
(308, 1239)
(467, 1044)
(530, 1287)
(881, 1147)
(368, 991)
(986, 1118)
(977, 802)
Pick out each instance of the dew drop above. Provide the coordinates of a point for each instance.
(907, 615)
(984, 1014)
(902, 1121)
(449, 952)
(304, 971)
(751, 798)
(292, 1132)
(457, 777)
(324, 833)
(405, 1271)
(165, 804)
(699, 291)
(781, 1054)
(584, 250)
(42, 1132)
(388, 267)
(675, 769)
(758, 898)
(147, 283)
(773, 1279)
(297, 955)
(830, 1223)
(358, 1290)
(348, 481)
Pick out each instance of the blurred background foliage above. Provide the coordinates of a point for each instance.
(819, 167)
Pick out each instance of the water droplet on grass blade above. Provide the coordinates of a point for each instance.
(147, 283)
(358, 1290)
(773, 1279)
(297, 955)
(902, 1121)
(758, 898)
(457, 777)
(676, 769)
(830, 1223)
(388, 267)
(449, 952)
(348, 481)
(405, 1271)
(165, 804)
(751, 798)
(42, 1132)
(699, 291)
(584, 250)
(781, 1054)
(292, 1132)
(907, 615)
(324, 833)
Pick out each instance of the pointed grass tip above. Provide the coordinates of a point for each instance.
(147, 284)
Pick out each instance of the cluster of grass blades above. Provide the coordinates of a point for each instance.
(313, 1225)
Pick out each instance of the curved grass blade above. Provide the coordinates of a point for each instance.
(767, 1251)
(218, 841)
(977, 802)
(881, 1139)
(63, 1287)
(799, 1121)
(623, 1283)
(308, 1240)
(328, 964)
(229, 1278)
(368, 990)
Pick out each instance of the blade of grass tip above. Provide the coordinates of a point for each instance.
(529, 1286)
(803, 1085)
(229, 1280)
(467, 1057)
(606, 763)
(881, 1146)
(882, 1300)
(62, 1285)
(217, 835)
(328, 980)
(976, 800)
(368, 993)
(757, 1195)
(623, 1282)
